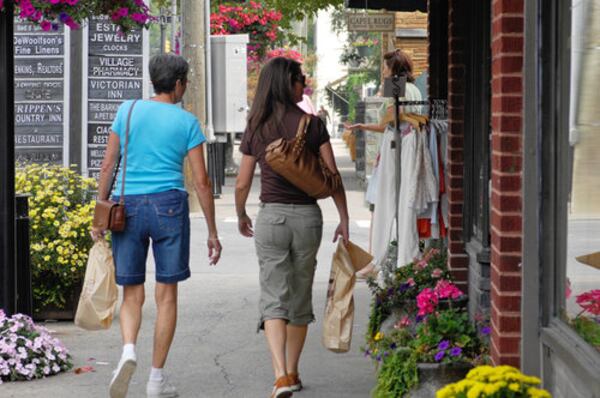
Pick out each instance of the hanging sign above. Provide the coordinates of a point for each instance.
(114, 71)
(371, 22)
(41, 80)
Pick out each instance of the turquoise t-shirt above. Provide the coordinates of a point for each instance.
(160, 136)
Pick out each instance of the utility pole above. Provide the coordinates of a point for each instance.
(193, 28)
(8, 279)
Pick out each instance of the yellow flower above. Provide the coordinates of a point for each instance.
(514, 387)
(46, 258)
(378, 336)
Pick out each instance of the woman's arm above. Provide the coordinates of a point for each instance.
(207, 202)
(339, 197)
(242, 190)
(379, 128)
(106, 174)
(108, 165)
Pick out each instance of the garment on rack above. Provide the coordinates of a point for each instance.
(418, 188)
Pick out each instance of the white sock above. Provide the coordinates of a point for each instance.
(128, 351)
(156, 374)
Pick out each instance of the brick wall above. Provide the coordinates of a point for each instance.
(506, 206)
(416, 48)
(458, 260)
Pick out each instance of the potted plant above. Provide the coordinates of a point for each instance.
(365, 46)
(28, 351)
(499, 382)
(587, 322)
(61, 212)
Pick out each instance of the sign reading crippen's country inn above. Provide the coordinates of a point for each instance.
(41, 72)
(113, 72)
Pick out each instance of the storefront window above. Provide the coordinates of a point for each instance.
(580, 306)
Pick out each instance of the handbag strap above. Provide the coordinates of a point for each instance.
(112, 184)
(301, 134)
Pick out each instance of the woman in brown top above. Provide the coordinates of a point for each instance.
(289, 225)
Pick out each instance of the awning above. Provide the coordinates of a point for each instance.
(389, 5)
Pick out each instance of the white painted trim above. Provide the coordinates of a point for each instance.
(67, 98)
(84, 99)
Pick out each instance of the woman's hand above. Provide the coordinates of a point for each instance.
(214, 250)
(342, 231)
(245, 226)
(353, 126)
(97, 233)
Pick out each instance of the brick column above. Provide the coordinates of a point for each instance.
(458, 260)
(507, 160)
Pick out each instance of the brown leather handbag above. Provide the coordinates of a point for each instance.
(300, 166)
(108, 214)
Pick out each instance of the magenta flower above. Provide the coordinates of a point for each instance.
(427, 300)
(46, 26)
(445, 289)
(590, 301)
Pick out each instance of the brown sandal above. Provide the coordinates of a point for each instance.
(282, 388)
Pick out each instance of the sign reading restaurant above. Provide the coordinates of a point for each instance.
(41, 80)
(113, 72)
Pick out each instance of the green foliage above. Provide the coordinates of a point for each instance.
(588, 329)
(61, 212)
(397, 375)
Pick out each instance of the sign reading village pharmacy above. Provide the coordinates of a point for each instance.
(115, 70)
(41, 80)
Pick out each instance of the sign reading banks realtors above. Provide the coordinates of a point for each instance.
(41, 78)
(115, 70)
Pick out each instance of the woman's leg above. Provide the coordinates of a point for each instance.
(131, 312)
(166, 320)
(276, 334)
(296, 336)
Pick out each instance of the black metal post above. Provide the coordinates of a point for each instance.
(24, 292)
(7, 162)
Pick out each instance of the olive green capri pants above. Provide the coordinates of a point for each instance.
(287, 238)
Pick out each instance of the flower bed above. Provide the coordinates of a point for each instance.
(490, 382)
(420, 330)
(28, 351)
(61, 212)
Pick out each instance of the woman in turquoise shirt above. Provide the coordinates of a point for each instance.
(161, 135)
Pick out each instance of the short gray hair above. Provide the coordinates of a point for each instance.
(165, 70)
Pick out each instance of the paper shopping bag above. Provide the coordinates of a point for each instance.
(99, 293)
(339, 309)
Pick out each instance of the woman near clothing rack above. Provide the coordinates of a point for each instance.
(396, 63)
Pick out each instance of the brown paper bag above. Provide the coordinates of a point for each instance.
(339, 309)
(99, 293)
(593, 259)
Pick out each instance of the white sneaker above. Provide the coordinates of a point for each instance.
(161, 388)
(121, 378)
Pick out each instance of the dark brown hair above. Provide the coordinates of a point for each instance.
(274, 94)
(400, 64)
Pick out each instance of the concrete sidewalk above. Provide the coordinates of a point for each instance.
(217, 352)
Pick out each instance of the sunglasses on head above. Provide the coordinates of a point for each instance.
(301, 79)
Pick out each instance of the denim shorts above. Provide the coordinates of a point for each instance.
(164, 218)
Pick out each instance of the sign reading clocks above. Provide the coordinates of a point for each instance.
(114, 72)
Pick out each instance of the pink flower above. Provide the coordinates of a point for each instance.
(411, 282)
(139, 18)
(436, 273)
(53, 1)
(123, 11)
(72, 2)
(590, 301)
(427, 300)
(445, 289)
(46, 26)
(1, 4)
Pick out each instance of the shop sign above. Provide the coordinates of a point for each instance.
(371, 22)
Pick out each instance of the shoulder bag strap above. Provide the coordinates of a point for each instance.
(301, 135)
(121, 197)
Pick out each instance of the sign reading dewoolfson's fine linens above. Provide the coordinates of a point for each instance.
(41, 78)
(114, 73)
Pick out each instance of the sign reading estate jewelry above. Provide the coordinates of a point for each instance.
(371, 22)
(41, 80)
(113, 72)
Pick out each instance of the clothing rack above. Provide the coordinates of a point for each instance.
(438, 108)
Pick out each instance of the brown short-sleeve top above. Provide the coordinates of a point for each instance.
(274, 188)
